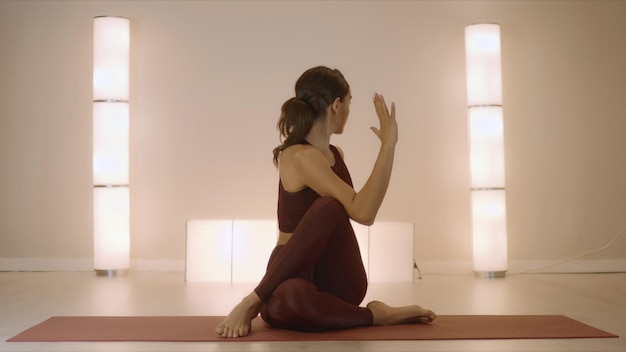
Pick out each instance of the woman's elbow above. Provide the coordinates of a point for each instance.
(365, 219)
(368, 222)
(364, 214)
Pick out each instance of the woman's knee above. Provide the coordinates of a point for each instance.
(294, 290)
(286, 302)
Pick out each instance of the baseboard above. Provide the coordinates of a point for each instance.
(425, 267)
(444, 267)
(46, 264)
(82, 264)
(575, 266)
(528, 267)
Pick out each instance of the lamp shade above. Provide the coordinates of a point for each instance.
(111, 228)
(111, 36)
(110, 143)
(489, 231)
(486, 146)
(483, 64)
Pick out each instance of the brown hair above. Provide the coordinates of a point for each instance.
(316, 89)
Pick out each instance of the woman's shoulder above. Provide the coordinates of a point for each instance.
(298, 151)
(295, 161)
(306, 155)
(305, 151)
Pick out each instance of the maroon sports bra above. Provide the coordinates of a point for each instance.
(293, 205)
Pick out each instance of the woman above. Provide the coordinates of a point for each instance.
(315, 278)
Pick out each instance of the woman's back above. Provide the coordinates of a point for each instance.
(293, 205)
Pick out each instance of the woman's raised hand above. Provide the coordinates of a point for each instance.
(388, 131)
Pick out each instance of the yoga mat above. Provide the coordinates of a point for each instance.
(201, 329)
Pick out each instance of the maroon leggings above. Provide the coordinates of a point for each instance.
(316, 281)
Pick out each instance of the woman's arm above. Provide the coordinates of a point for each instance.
(307, 165)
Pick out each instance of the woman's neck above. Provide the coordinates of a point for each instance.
(319, 135)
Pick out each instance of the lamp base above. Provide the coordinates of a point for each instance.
(111, 272)
(490, 274)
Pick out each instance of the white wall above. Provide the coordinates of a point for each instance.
(207, 83)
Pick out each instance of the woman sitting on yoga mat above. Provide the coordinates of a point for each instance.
(315, 278)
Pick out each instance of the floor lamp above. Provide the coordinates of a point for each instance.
(486, 135)
(111, 198)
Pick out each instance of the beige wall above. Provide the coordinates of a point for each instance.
(207, 82)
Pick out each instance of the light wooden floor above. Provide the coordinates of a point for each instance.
(595, 299)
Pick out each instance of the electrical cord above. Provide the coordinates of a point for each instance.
(615, 237)
(418, 273)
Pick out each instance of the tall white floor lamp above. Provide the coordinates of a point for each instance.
(111, 197)
(486, 135)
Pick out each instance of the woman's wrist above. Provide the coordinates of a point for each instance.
(388, 146)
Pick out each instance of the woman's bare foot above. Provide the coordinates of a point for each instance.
(387, 315)
(239, 322)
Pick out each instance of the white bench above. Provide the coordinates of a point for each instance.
(238, 250)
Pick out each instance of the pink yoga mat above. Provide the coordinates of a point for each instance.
(201, 328)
